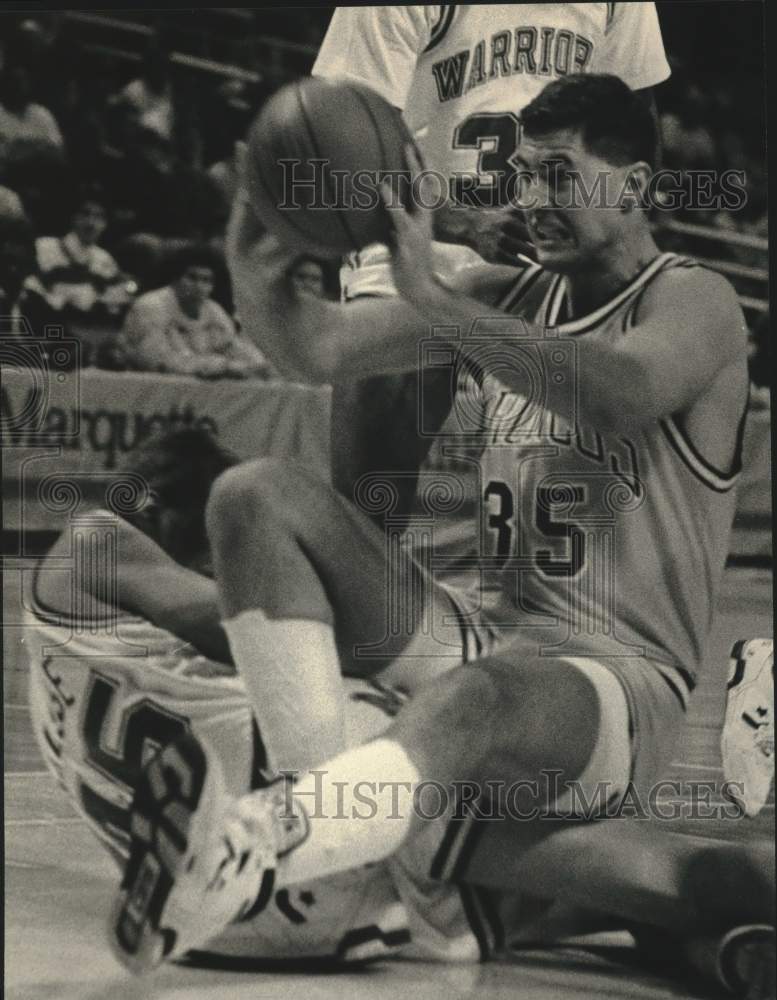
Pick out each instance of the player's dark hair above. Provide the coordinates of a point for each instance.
(179, 468)
(614, 121)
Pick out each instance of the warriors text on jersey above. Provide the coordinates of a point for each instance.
(462, 74)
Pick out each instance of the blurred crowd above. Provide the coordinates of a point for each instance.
(114, 197)
(116, 179)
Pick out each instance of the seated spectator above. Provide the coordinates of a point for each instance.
(307, 277)
(759, 356)
(79, 280)
(180, 329)
(20, 117)
(227, 121)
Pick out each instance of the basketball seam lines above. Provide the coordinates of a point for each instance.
(378, 135)
(287, 216)
(311, 135)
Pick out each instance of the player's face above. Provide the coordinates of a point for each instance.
(572, 200)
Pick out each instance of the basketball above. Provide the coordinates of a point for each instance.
(317, 153)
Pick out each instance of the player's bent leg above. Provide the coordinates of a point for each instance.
(560, 749)
(515, 717)
(306, 584)
(489, 726)
(306, 552)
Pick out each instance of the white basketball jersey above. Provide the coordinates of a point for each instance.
(462, 74)
(107, 693)
(611, 543)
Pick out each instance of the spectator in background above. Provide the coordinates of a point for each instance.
(307, 277)
(78, 279)
(20, 117)
(759, 360)
(224, 174)
(180, 329)
(149, 99)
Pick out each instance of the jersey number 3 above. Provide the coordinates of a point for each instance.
(496, 137)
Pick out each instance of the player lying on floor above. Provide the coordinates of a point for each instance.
(662, 387)
(127, 653)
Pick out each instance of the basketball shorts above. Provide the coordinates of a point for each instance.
(641, 712)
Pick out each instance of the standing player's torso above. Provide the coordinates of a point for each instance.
(483, 65)
(620, 537)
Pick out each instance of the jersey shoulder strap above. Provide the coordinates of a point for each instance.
(668, 262)
(441, 26)
(531, 284)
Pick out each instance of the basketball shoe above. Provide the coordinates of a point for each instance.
(747, 740)
(741, 960)
(199, 859)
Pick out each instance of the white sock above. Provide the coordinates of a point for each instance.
(292, 674)
(359, 807)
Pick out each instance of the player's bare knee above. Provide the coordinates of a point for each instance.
(244, 495)
(448, 725)
(539, 724)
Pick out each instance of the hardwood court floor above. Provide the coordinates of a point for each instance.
(59, 883)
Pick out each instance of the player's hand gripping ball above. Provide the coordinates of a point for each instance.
(317, 155)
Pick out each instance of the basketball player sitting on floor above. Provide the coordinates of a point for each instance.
(649, 459)
(126, 656)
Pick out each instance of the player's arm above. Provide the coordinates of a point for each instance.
(315, 340)
(634, 50)
(633, 47)
(175, 598)
(377, 46)
(148, 583)
(689, 328)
